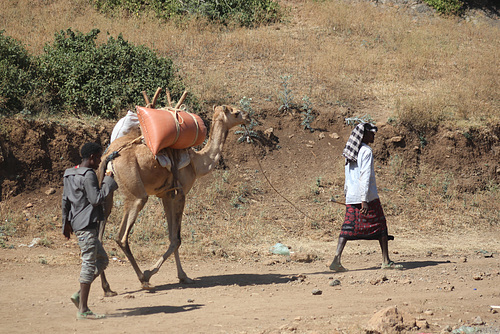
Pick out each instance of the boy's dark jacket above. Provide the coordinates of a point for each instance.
(82, 199)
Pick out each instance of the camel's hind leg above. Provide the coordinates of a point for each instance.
(131, 211)
(107, 210)
(174, 208)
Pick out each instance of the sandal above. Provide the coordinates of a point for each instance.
(75, 298)
(337, 267)
(392, 265)
(89, 315)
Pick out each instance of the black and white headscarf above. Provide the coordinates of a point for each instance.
(354, 142)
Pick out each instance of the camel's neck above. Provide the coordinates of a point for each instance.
(205, 160)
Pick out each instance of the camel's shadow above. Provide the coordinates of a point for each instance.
(149, 310)
(201, 282)
(229, 280)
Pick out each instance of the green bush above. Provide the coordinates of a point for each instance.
(447, 7)
(15, 74)
(248, 13)
(82, 77)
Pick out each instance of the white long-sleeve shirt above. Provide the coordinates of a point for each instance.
(360, 182)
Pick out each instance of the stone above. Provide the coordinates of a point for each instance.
(396, 139)
(302, 257)
(50, 191)
(316, 292)
(334, 135)
(334, 282)
(477, 277)
(269, 132)
(447, 329)
(387, 320)
(477, 321)
(422, 324)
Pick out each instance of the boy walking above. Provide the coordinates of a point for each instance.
(82, 212)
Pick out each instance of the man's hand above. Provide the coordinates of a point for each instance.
(67, 230)
(364, 208)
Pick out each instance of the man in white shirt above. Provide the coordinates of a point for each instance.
(364, 218)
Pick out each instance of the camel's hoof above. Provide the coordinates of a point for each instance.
(147, 286)
(147, 274)
(110, 293)
(186, 280)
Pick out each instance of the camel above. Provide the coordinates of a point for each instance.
(139, 176)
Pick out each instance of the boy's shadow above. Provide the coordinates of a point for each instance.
(148, 310)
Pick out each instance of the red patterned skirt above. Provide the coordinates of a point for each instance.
(359, 226)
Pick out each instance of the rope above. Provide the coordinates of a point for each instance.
(113, 155)
(128, 144)
(269, 182)
(197, 129)
(175, 114)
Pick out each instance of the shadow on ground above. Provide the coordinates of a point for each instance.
(228, 280)
(406, 265)
(149, 310)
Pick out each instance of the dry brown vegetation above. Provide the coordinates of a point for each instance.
(386, 61)
(350, 58)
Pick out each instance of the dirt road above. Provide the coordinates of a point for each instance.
(446, 286)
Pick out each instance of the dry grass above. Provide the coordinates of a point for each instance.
(371, 58)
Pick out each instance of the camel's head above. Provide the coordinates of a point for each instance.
(231, 116)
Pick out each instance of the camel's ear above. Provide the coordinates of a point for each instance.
(213, 107)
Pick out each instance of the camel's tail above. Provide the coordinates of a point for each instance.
(104, 164)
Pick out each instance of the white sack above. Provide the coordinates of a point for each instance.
(125, 125)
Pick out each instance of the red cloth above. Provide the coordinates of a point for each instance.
(358, 226)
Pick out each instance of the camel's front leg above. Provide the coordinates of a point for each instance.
(174, 208)
(183, 278)
(131, 212)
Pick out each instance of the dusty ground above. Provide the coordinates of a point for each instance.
(451, 283)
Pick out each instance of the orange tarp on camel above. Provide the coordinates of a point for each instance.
(170, 127)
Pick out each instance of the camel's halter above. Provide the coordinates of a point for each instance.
(271, 185)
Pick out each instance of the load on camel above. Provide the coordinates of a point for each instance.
(139, 174)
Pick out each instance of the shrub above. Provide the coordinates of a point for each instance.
(248, 13)
(100, 80)
(15, 74)
(286, 96)
(447, 7)
(247, 132)
(307, 114)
